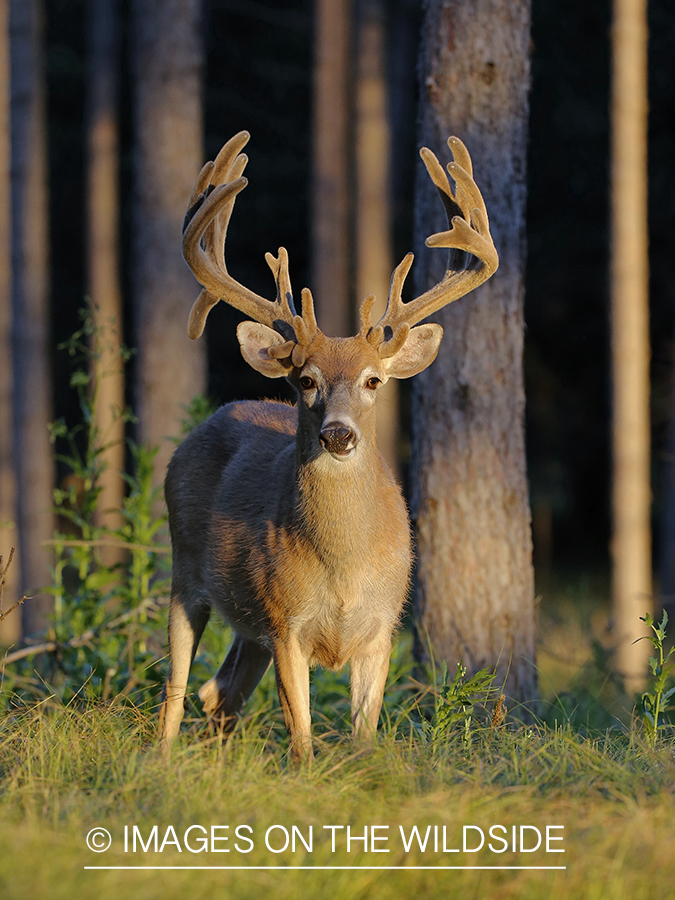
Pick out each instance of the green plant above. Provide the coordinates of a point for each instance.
(3, 575)
(657, 701)
(455, 701)
(195, 412)
(104, 640)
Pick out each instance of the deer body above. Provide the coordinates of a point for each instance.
(285, 519)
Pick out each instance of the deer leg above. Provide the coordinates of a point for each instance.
(368, 676)
(186, 626)
(292, 674)
(224, 695)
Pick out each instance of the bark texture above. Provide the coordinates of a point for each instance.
(373, 202)
(30, 310)
(475, 585)
(167, 62)
(631, 493)
(10, 629)
(103, 258)
(330, 267)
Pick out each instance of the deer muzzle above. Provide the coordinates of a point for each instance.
(338, 438)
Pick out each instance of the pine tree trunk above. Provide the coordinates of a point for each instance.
(30, 299)
(373, 207)
(10, 629)
(475, 585)
(330, 264)
(103, 258)
(167, 60)
(631, 539)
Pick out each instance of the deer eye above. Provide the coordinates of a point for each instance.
(307, 383)
(373, 382)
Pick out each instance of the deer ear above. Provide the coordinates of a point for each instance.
(418, 352)
(255, 341)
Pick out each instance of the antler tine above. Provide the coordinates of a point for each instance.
(366, 316)
(204, 233)
(460, 154)
(279, 267)
(469, 233)
(216, 231)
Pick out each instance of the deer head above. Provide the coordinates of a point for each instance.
(279, 342)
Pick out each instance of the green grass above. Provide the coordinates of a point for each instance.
(589, 766)
(64, 771)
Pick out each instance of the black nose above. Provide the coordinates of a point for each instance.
(337, 438)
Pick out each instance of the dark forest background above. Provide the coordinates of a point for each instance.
(258, 76)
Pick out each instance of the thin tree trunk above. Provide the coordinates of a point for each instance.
(103, 258)
(10, 629)
(330, 265)
(475, 591)
(373, 207)
(631, 539)
(167, 60)
(30, 296)
(666, 574)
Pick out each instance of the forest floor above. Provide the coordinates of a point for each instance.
(570, 807)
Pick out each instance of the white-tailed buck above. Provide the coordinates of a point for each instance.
(285, 518)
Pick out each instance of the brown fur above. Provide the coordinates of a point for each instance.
(303, 554)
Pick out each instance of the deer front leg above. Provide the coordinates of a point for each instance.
(367, 680)
(292, 674)
(186, 626)
(225, 694)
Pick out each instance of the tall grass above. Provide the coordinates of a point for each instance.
(65, 771)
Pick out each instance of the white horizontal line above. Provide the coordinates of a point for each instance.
(329, 868)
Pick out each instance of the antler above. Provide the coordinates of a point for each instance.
(472, 260)
(473, 257)
(204, 233)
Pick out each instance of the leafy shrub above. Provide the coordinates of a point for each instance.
(107, 634)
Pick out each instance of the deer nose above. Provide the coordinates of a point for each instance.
(338, 438)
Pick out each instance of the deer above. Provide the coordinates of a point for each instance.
(285, 518)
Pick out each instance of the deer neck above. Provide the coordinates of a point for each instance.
(337, 500)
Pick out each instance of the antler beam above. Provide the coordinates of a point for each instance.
(204, 233)
(474, 262)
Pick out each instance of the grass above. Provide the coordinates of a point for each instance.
(574, 656)
(66, 770)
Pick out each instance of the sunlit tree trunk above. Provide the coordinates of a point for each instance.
(666, 574)
(475, 591)
(373, 207)
(167, 60)
(631, 538)
(103, 256)
(30, 297)
(10, 629)
(330, 263)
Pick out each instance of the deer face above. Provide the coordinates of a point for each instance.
(338, 382)
(337, 388)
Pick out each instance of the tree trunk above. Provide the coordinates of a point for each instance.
(167, 61)
(373, 208)
(10, 629)
(330, 264)
(475, 586)
(103, 258)
(631, 539)
(30, 297)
